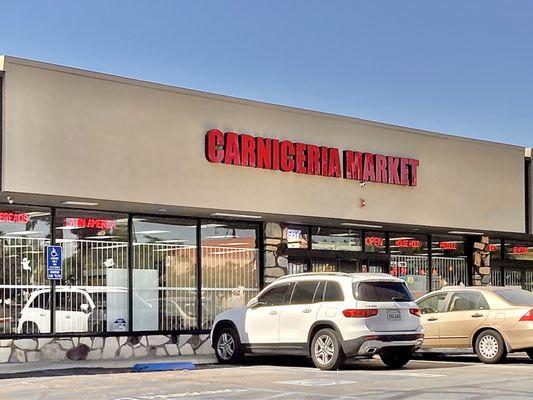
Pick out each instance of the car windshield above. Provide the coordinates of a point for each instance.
(517, 297)
(381, 291)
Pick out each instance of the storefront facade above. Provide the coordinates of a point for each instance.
(172, 205)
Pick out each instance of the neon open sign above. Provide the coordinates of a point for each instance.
(90, 223)
(374, 241)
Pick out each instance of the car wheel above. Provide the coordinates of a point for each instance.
(326, 350)
(228, 348)
(530, 353)
(396, 358)
(30, 327)
(490, 347)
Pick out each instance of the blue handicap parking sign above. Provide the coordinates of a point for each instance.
(54, 268)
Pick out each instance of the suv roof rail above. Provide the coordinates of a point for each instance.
(315, 274)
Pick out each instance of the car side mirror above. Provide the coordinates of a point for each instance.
(254, 303)
(85, 308)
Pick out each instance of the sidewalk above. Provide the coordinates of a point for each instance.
(14, 370)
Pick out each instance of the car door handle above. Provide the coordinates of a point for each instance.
(477, 315)
(306, 310)
(433, 319)
(273, 312)
(67, 316)
(43, 315)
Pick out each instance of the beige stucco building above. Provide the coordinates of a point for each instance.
(96, 163)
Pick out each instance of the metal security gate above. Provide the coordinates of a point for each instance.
(512, 277)
(229, 279)
(164, 286)
(496, 276)
(94, 274)
(528, 279)
(23, 272)
(414, 270)
(449, 271)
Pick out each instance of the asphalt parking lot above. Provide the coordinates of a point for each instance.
(459, 377)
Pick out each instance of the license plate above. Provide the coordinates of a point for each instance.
(394, 315)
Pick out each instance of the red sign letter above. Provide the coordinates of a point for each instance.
(287, 156)
(213, 141)
(353, 165)
(233, 155)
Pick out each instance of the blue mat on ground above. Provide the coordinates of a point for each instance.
(177, 366)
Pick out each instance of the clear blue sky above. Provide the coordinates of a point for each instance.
(460, 67)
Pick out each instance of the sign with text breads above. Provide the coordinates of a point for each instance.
(258, 152)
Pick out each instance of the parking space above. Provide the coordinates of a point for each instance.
(460, 377)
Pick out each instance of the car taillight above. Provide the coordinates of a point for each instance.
(360, 313)
(528, 316)
(415, 311)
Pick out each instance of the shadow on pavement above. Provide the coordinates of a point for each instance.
(517, 358)
(360, 364)
(419, 362)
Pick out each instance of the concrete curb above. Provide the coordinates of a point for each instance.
(94, 367)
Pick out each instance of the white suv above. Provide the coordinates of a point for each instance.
(329, 316)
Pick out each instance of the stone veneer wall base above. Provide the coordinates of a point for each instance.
(102, 348)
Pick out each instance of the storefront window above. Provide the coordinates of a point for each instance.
(518, 250)
(375, 242)
(335, 239)
(93, 295)
(297, 237)
(410, 261)
(24, 233)
(229, 267)
(449, 261)
(495, 249)
(164, 274)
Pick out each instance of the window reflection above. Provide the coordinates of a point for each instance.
(164, 274)
(229, 267)
(335, 239)
(24, 233)
(93, 295)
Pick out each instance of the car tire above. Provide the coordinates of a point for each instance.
(228, 347)
(530, 353)
(30, 328)
(490, 347)
(326, 350)
(396, 358)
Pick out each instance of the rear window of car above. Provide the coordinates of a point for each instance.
(381, 291)
(517, 297)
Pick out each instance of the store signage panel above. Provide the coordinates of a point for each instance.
(15, 218)
(408, 243)
(258, 152)
(90, 223)
(375, 241)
